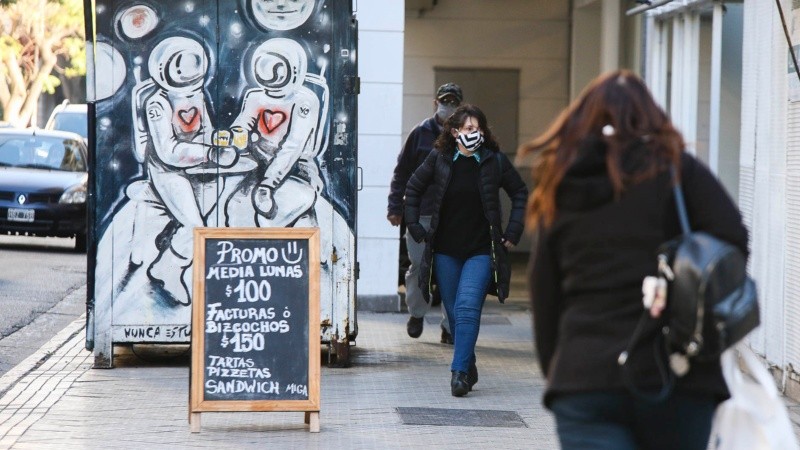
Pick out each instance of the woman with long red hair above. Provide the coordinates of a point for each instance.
(602, 205)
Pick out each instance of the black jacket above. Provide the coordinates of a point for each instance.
(587, 268)
(496, 171)
(418, 144)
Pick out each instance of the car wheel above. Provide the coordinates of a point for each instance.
(80, 243)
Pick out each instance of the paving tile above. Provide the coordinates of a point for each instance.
(64, 404)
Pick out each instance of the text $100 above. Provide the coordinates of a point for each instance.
(250, 291)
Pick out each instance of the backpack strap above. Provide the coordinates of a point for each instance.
(680, 203)
(659, 345)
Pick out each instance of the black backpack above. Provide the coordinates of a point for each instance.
(711, 301)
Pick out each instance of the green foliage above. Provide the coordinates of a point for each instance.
(39, 39)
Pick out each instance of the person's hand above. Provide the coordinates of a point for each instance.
(508, 245)
(654, 295)
(395, 219)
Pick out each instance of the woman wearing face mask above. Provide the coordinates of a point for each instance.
(466, 247)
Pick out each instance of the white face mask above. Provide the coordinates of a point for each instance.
(471, 141)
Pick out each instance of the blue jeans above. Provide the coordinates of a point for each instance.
(619, 421)
(463, 284)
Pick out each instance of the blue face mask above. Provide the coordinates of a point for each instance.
(471, 141)
(443, 111)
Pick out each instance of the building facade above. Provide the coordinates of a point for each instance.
(720, 68)
(511, 57)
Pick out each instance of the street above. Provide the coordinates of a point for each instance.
(37, 274)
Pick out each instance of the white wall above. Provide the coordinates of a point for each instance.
(586, 32)
(530, 35)
(704, 92)
(380, 66)
(731, 98)
(766, 194)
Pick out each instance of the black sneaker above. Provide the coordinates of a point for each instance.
(447, 338)
(414, 326)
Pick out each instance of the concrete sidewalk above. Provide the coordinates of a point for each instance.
(395, 395)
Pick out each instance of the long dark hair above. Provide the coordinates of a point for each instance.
(446, 143)
(619, 99)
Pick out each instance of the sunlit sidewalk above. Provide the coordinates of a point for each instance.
(395, 395)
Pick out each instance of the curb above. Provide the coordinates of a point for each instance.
(29, 364)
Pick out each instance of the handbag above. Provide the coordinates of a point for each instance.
(711, 301)
(755, 416)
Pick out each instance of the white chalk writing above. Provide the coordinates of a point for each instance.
(238, 386)
(293, 388)
(230, 362)
(215, 313)
(241, 331)
(255, 372)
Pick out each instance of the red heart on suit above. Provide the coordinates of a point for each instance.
(188, 115)
(272, 119)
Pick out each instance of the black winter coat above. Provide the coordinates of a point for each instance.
(587, 269)
(417, 147)
(496, 171)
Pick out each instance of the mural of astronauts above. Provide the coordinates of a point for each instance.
(216, 114)
(281, 118)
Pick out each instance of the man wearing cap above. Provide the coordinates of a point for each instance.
(418, 144)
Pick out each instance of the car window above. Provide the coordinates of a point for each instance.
(36, 152)
(71, 121)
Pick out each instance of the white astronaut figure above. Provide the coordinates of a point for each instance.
(282, 117)
(179, 130)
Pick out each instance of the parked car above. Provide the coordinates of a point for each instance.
(43, 181)
(69, 117)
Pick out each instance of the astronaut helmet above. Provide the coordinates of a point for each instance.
(279, 65)
(178, 64)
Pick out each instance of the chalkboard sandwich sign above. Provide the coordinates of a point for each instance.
(255, 322)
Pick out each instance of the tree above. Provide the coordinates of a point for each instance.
(37, 38)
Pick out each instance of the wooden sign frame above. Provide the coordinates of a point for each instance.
(197, 403)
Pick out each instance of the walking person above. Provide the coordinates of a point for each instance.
(602, 206)
(465, 246)
(418, 144)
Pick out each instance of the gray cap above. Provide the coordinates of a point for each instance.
(449, 89)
